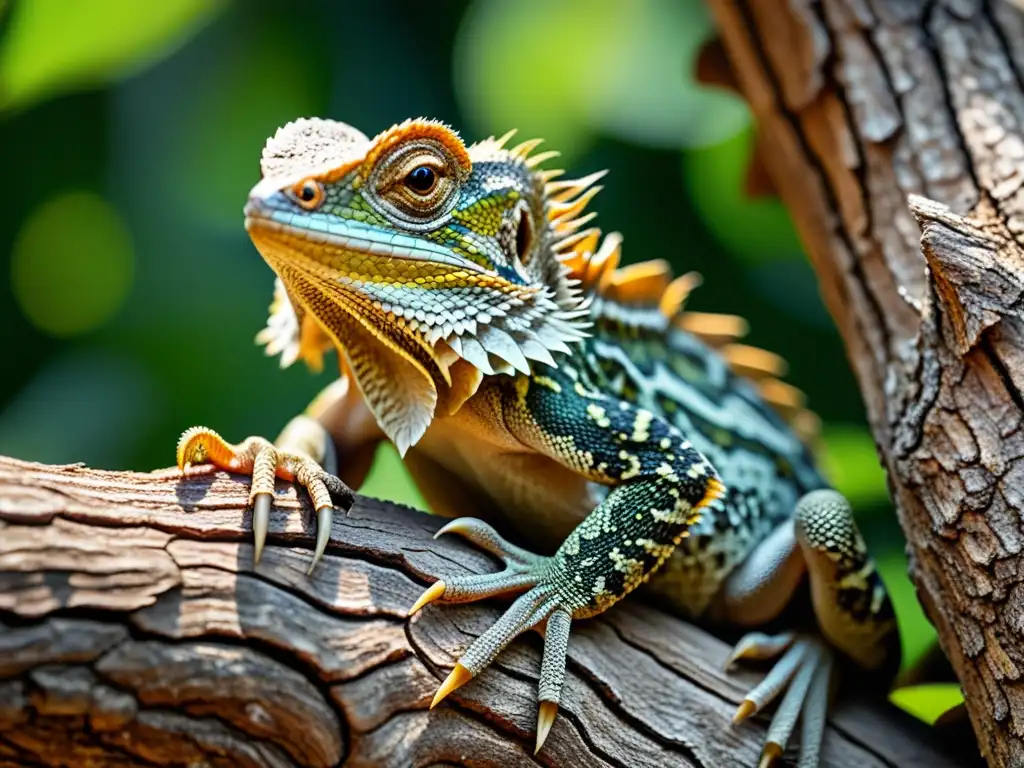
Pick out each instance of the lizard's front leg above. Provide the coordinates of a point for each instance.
(659, 484)
(304, 453)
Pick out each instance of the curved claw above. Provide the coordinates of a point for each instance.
(484, 536)
(457, 678)
(745, 710)
(758, 646)
(545, 719)
(769, 755)
(432, 593)
(458, 525)
(260, 522)
(324, 516)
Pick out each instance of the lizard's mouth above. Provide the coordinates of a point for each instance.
(416, 292)
(342, 281)
(338, 243)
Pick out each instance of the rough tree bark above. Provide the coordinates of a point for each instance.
(865, 105)
(134, 629)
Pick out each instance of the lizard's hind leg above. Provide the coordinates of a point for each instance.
(852, 611)
(850, 602)
(804, 673)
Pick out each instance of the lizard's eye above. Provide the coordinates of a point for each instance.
(415, 184)
(308, 193)
(422, 179)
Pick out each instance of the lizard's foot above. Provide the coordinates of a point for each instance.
(544, 606)
(264, 461)
(804, 673)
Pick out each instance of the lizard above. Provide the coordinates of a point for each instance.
(485, 327)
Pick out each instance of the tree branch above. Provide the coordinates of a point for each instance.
(867, 103)
(135, 630)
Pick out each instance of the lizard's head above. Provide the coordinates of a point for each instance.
(427, 263)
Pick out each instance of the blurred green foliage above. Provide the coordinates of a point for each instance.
(69, 297)
(130, 133)
(54, 45)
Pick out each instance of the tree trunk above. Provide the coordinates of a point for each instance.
(865, 105)
(136, 631)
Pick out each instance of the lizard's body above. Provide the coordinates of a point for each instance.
(763, 464)
(527, 380)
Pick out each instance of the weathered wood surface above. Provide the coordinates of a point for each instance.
(134, 629)
(864, 104)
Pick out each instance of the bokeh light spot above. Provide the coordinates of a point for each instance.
(52, 46)
(530, 64)
(569, 70)
(72, 264)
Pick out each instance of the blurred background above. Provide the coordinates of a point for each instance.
(130, 133)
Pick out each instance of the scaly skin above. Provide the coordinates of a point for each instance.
(492, 338)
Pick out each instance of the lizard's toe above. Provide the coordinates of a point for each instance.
(259, 458)
(804, 674)
(543, 606)
(484, 536)
(522, 568)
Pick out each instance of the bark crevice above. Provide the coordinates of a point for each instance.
(136, 631)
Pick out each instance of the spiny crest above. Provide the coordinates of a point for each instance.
(645, 294)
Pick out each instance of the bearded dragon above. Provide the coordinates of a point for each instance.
(487, 330)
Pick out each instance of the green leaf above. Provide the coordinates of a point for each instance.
(927, 702)
(55, 46)
(917, 634)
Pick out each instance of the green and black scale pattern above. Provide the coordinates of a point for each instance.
(641, 363)
(658, 482)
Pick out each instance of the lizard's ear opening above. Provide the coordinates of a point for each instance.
(524, 236)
